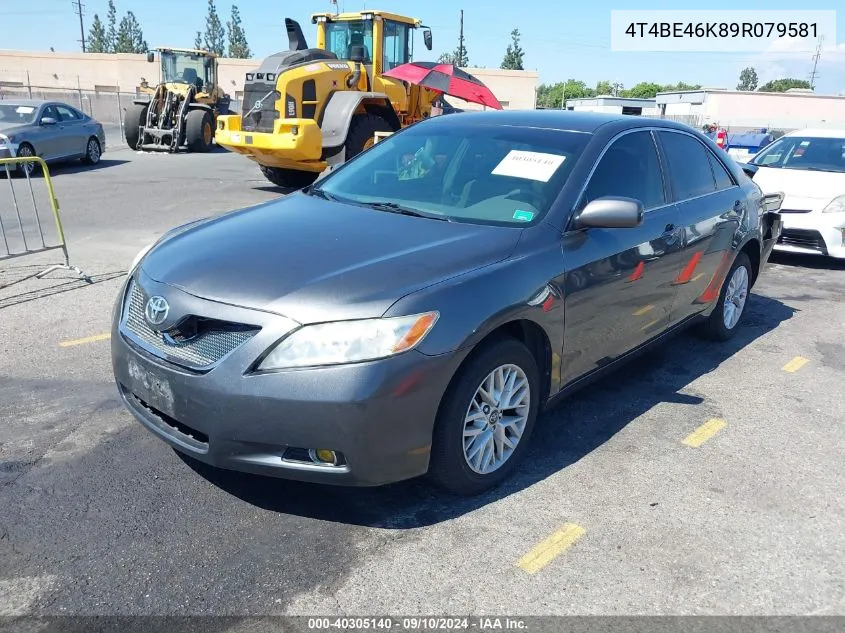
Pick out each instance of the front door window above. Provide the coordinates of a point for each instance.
(395, 47)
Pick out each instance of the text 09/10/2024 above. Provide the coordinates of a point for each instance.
(721, 30)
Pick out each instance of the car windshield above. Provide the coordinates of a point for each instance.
(16, 113)
(804, 152)
(185, 68)
(342, 36)
(500, 175)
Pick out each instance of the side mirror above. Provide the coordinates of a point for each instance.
(749, 169)
(48, 120)
(151, 57)
(611, 213)
(427, 38)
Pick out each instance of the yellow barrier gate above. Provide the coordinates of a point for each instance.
(15, 242)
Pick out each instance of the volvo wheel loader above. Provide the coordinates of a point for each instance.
(306, 109)
(180, 112)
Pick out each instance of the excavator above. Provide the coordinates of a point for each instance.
(308, 109)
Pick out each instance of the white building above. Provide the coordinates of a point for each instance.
(741, 110)
(614, 105)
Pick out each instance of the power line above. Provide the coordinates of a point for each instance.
(816, 58)
(78, 9)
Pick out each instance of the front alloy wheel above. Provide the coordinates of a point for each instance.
(26, 151)
(496, 419)
(485, 420)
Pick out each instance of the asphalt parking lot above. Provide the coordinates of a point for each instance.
(702, 479)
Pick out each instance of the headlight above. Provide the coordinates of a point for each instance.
(341, 342)
(140, 256)
(837, 205)
(4, 140)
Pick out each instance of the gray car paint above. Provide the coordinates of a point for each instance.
(568, 290)
(59, 142)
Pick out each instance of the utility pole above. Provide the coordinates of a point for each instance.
(816, 57)
(77, 5)
(461, 41)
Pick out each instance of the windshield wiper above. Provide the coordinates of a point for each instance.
(319, 193)
(392, 207)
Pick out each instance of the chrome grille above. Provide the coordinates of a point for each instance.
(208, 346)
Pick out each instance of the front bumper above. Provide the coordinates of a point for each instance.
(379, 415)
(813, 233)
(294, 143)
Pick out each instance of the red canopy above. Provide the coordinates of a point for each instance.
(446, 79)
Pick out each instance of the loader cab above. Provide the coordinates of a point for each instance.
(193, 67)
(382, 40)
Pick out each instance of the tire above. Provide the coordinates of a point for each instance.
(362, 129)
(199, 130)
(449, 466)
(288, 178)
(718, 327)
(25, 149)
(93, 151)
(136, 116)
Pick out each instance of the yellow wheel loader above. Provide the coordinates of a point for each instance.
(306, 109)
(181, 111)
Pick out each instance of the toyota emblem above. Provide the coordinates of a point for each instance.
(156, 310)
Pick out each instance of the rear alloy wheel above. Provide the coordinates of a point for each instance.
(92, 152)
(486, 419)
(723, 322)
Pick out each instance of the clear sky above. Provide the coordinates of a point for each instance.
(562, 39)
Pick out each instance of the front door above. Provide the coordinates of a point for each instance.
(619, 281)
(710, 206)
(74, 138)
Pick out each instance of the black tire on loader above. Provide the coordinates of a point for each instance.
(362, 131)
(288, 178)
(199, 130)
(136, 116)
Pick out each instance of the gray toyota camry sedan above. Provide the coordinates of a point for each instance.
(414, 310)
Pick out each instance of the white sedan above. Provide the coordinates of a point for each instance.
(808, 166)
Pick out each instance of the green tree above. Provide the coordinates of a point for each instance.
(782, 85)
(643, 90)
(680, 87)
(514, 53)
(554, 95)
(130, 37)
(604, 87)
(198, 41)
(238, 47)
(215, 34)
(747, 79)
(97, 42)
(111, 29)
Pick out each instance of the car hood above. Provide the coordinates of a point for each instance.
(802, 189)
(10, 128)
(313, 260)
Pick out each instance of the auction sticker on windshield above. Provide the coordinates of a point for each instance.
(25, 110)
(529, 165)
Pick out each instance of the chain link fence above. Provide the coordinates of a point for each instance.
(106, 106)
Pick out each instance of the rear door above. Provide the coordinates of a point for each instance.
(619, 281)
(710, 205)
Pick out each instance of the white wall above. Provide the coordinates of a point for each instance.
(774, 110)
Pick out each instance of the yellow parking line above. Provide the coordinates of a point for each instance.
(644, 309)
(795, 364)
(546, 551)
(704, 432)
(87, 339)
(649, 324)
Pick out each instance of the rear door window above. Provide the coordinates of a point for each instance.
(723, 178)
(688, 164)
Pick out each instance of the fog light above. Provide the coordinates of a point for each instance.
(323, 456)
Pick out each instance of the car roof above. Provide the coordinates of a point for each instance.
(566, 120)
(819, 132)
